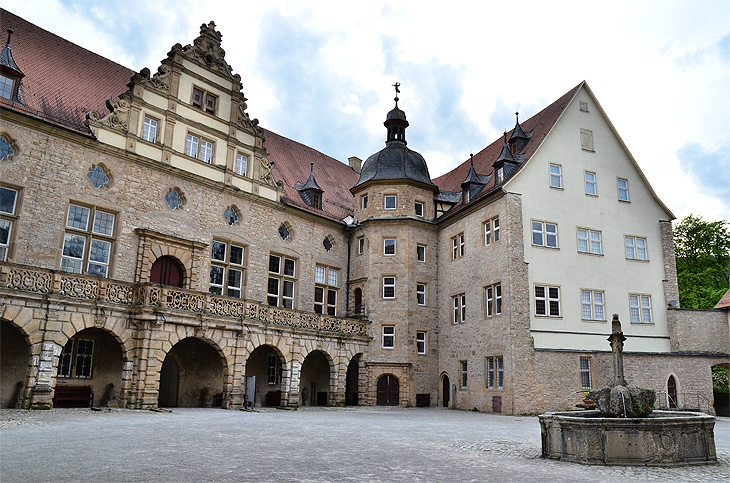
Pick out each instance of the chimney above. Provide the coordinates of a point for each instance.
(355, 163)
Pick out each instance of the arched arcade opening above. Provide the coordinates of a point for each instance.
(352, 382)
(192, 375)
(264, 371)
(14, 360)
(315, 379)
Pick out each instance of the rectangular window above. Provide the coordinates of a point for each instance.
(389, 202)
(491, 231)
(500, 372)
(419, 209)
(199, 148)
(88, 241)
(590, 179)
(360, 245)
(388, 336)
(325, 290)
(8, 207)
(6, 87)
(388, 287)
(241, 164)
(635, 248)
(583, 106)
(459, 302)
(272, 369)
(494, 299)
(592, 305)
(545, 234)
(364, 201)
(191, 146)
(389, 246)
(556, 176)
(76, 359)
(547, 301)
(640, 307)
(64, 360)
(421, 342)
(623, 189)
(421, 293)
(585, 372)
(495, 372)
(421, 253)
(204, 101)
(282, 280)
(226, 269)
(149, 130)
(500, 174)
(589, 241)
(457, 246)
(463, 372)
(586, 140)
(490, 372)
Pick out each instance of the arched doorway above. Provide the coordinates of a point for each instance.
(265, 365)
(388, 390)
(167, 271)
(352, 382)
(14, 359)
(191, 376)
(358, 300)
(721, 390)
(672, 400)
(90, 360)
(445, 391)
(314, 380)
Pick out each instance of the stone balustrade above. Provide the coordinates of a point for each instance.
(47, 282)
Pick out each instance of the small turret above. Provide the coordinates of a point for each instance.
(310, 191)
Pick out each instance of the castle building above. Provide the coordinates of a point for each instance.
(158, 247)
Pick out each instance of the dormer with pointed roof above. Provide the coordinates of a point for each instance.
(519, 138)
(310, 191)
(473, 184)
(506, 164)
(10, 74)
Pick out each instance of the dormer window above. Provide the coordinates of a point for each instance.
(310, 191)
(10, 75)
(205, 101)
(6, 87)
(500, 175)
(316, 200)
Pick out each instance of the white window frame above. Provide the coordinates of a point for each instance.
(364, 201)
(8, 219)
(491, 231)
(588, 183)
(388, 340)
(586, 381)
(547, 298)
(640, 309)
(633, 250)
(386, 244)
(556, 177)
(388, 282)
(593, 240)
(421, 342)
(421, 253)
(623, 189)
(327, 285)
(458, 246)
(241, 164)
(386, 199)
(361, 245)
(149, 129)
(493, 295)
(94, 240)
(593, 305)
(283, 280)
(542, 230)
(421, 294)
(197, 147)
(422, 208)
(227, 265)
(459, 304)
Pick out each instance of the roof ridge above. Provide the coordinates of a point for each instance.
(301, 144)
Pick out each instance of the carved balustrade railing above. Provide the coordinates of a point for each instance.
(42, 281)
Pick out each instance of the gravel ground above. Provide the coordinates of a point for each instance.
(311, 444)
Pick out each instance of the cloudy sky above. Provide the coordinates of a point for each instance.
(320, 72)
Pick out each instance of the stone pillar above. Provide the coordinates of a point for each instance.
(669, 283)
(292, 388)
(41, 394)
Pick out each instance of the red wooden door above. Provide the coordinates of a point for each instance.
(388, 391)
(166, 271)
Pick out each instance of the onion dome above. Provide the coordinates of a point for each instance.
(396, 161)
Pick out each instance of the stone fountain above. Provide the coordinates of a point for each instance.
(625, 430)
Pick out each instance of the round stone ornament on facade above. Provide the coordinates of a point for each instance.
(99, 176)
(232, 215)
(174, 198)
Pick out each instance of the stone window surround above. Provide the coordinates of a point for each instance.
(327, 288)
(547, 299)
(364, 201)
(543, 231)
(493, 299)
(586, 140)
(191, 255)
(589, 240)
(422, 210)
(89, 236)
(420, 293)
(624, 189)
(555, 176)
(388, 332)
(635, 247)
(458, 246)
(586, 381)
(199, 139)
(642, 308)
(205, 94)
(491, 231)
(386, 198)
(283, 278)
(387, 244)
(227, 265)
(389, 278)
(459, 308)
(360, 245)
(494, 372)
(158, 128)
(421, 338)
(240, 164)
(588, 183)
(593, 304)
(12, 218)
(463, 374)
(421, 253)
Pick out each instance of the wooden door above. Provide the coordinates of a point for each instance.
(388, 391)
(166, 271)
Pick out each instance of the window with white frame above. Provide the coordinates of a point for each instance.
(282, 281)
(389, 202)
(463, 374)
(589, 241)
(6, 87)
(544, 234)
(361, 245)
(585, 372)
(149, 129)
(205, 101)
(420, 342)
(547, 301)
(459, 302)
(199, 148)
(592, 305)
(421, 293)
(76, 359)
(556, 176)
(495, 372)
(457, 246)
(88, 240)
(623, 189)
(364, 201)
(388, 336)
(241, 164)
(491, 231)
(421, 253)
(325, 290)
(226, 269)
(9, 199)
(494, 299)
(590, 182)
(389, 246)
(586, 140)
(500, 174)
(388, 287)
(640, 307)
(635, 247)
(419, 209)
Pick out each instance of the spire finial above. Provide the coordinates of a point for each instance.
(505, 136)
(471, 157)
(10, 32)
(517, 115)
(397, 91)
(311, 166)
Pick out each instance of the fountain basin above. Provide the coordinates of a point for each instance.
(664, 438)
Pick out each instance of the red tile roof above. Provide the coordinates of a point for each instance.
(724, 302)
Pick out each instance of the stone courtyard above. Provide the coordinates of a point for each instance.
(311, 444)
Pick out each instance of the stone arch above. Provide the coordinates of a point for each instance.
(388, 390)
(153, 245)
(168, 270)
(673, 392)
(267, 363)
(15, 362)
(354, 379)
(444, 391)
(317, 379)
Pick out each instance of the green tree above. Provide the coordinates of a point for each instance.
(703, 261)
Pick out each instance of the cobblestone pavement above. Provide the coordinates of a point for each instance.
(317, 444)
